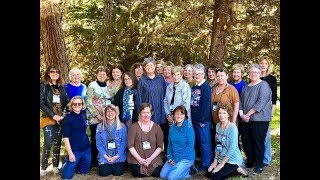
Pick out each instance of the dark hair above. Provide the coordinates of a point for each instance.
(47, 78)
(116, 66)
(136, 65)
(182, 109)
(132, 77)
(222, 70)
(145, 105)
(212, 67)
(100, 69)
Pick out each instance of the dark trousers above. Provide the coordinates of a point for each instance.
(213, 137)
(227, 171)
(253, 135)
(165, 130)
(94, 150)
(136, 171)
(52, 137)
(116, 169)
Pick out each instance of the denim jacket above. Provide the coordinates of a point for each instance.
(120, 140)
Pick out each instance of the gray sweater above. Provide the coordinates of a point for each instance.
(257, 97)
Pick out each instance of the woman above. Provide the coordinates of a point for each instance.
(201, 116)
(126, 98)
(115, 80)
(111, 140)
(76, 140)
(225, 93)
(177, 93)
(137, 70)
(159, 66)
(167, 73)
(145, 142)
(266, 70)
(256, 112)
(228, 160)
(211, 75)
(53, 101)
(75, 87)
(180, 153)
(97, 100)
(188, 75)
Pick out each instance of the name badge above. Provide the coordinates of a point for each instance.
(219, 148)
(146, 145)
(215, 106)
(171, 108)
(111, 145)
(56, 98)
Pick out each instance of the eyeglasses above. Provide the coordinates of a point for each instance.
(198, 74)
(54, 71)
(254, 72)
(76, 104)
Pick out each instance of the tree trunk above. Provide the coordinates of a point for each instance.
(218, 35)
(51, 36)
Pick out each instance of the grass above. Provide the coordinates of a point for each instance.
(270, 172)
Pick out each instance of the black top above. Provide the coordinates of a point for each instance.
(272, 81)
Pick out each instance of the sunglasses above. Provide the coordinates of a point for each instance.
(54, 71)
(76, 104)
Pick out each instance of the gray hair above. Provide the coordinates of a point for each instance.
(256, 66)
(149, 60)
(199, 67)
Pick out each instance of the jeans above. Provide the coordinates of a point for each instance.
(52, 137)
(136, 171)
(81, 165)
(203, 141)
(116, 169)
(267, 151)
(178, 171)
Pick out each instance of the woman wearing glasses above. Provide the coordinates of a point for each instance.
(76, 140)
(53, 101)
(111, 140)
(255, 110)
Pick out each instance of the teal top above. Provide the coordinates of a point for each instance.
(229, 141)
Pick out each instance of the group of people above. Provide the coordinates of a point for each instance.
(133, 116)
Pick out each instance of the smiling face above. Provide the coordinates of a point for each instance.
(138, 71)
(116, 74)
(264, 65)
(102, 76)
(149, 68)
(236, 74)
(179, 117)
(76, 77)
(110, 114)
(211, 74)
(128, 81)
(187, 72)
(54, 74)
(77, 105)
(145, 114)
(222, 77)
(223, 115)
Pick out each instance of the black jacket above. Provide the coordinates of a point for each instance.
(46, 98)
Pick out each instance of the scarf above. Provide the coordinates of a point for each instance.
(110, 130)
(126, 115)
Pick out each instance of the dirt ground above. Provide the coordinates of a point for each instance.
(271, 172)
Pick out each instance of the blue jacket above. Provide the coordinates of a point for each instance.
(181, 142)
(120, 141)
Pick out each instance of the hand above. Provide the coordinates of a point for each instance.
(202, 125)
(212, 166)
(72, 158)
(170, 119)
(141, 161)
(171, 162)
(147, 162)
(245, 117)
(219, 166)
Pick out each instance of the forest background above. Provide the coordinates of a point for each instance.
(89, 33)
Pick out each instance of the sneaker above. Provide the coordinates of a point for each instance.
(193, 170)
(55, 170)
(243, 171)
(258, 170)
(43, 172)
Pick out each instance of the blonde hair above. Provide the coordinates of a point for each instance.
(72, 101)
(238, 66)
(117, 119)
(176, 69)
(269, 61)
(75, 70)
